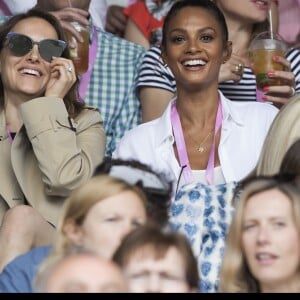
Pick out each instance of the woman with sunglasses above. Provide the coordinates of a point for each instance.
(50, 143)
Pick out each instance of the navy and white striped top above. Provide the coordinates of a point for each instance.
(152, 73)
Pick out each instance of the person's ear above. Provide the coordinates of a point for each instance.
(73, 232)
(227, 52)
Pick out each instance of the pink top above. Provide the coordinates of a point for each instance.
(289, 19)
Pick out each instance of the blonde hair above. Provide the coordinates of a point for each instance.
(79, 203)
(284, 131)
(76, 208)
(235, 276)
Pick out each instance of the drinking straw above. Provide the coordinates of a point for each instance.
(270, 22)
(70, 3)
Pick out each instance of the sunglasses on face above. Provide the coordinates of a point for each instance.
(20, 45)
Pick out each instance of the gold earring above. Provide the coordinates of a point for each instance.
(165, 65)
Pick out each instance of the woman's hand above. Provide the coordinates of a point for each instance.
(233, 69)
(67, 14)
(280, 94)
(62, 77)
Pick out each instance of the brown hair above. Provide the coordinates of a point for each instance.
(151, 239)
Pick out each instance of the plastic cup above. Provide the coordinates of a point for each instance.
(79, 52)
(262, 50)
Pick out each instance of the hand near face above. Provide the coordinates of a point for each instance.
(62, 77)
(230, 71)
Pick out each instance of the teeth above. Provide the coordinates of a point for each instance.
(261, 2)
(30, 71)
(264, 256)
(194, 62)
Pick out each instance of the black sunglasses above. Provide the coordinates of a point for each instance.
(20, 44)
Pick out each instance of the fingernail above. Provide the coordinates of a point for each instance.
(266, 89)
(276, 58)
(271, 74)
(264, 98)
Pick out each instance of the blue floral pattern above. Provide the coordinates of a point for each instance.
(203, 213)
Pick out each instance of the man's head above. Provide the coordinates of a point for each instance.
(81, 272)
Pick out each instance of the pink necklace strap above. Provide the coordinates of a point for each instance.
(10, 138)
(181, 147)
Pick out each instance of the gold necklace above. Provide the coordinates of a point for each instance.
(201, 148)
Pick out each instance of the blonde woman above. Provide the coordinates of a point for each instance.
(263, 244)
(96, 216)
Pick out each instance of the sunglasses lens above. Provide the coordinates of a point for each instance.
(50, 48)
(19, 44)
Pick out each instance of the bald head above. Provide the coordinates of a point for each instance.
(86, 273)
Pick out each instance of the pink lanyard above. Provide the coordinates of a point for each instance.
(259, 95)
(9, 134)
(85, 78)
(181, 148)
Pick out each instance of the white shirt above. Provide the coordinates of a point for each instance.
(244, 128)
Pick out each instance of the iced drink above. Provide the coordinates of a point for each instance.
(79, 52)
(262, 51)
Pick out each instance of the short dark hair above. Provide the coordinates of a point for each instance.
(208, 5)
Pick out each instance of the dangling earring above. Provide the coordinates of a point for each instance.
(165, 65)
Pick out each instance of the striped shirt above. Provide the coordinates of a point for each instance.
(154, 74)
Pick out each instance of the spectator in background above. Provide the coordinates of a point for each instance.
(96, 216)
(262, 251)
(145, 20)
(157, 187)
(80, 272)
(115, 18)
(157, 261)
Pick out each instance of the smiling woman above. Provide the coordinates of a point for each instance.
(50, 143)
(196, 138)
(193, 133)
